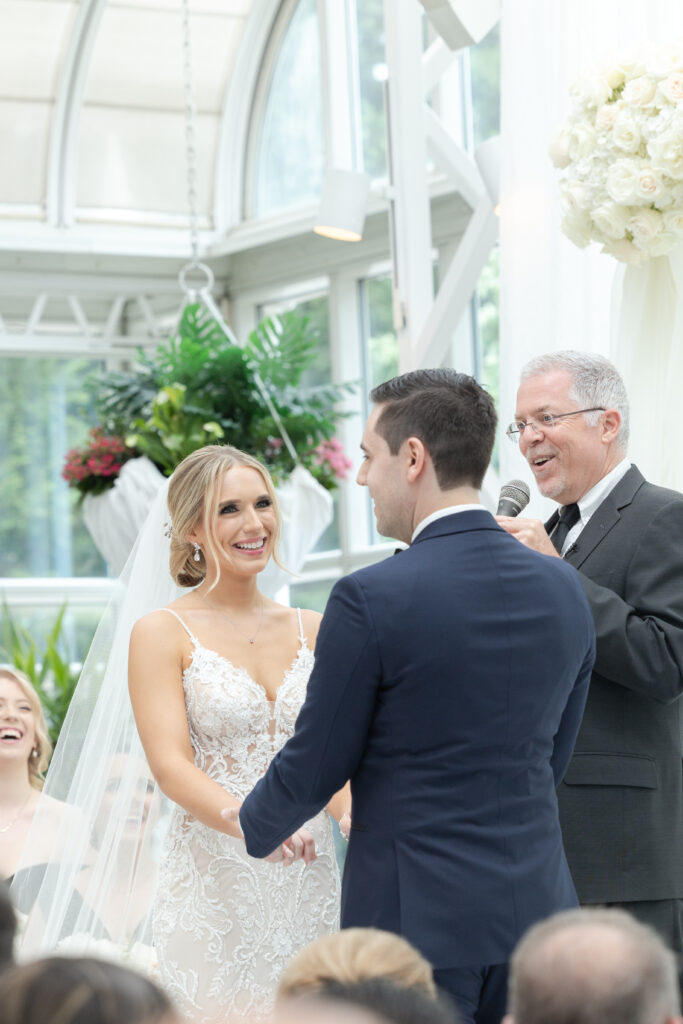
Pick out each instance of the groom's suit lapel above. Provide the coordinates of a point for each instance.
(605, 517)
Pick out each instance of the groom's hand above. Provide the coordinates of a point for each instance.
(302, 846)
(299, 846)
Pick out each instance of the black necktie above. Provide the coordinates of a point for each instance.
(569, 515)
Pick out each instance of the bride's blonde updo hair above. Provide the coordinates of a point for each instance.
(193, 493)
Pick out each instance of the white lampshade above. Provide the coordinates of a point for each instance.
(343, 205)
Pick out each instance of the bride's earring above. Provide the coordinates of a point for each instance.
(197, 551)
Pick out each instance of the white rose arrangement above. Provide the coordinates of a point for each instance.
(621, 157)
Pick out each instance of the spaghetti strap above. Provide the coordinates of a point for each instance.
(187, 629)
(302, 635)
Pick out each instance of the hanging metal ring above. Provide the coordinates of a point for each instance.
(194, 266)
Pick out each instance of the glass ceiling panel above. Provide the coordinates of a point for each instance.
(24, 131)
(135, 160)
(33, 38)
(137, 59)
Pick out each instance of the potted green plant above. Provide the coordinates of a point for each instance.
(200, 388)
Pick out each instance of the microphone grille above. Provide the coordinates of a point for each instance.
(517, 490)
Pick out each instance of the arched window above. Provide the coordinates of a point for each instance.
(289, 147)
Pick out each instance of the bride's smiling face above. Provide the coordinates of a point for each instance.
(245, 522)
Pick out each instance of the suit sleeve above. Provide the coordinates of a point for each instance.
(570, 723)
(640, 636)
(331, 730)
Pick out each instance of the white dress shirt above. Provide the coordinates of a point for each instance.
(592, 500)
(440, 513)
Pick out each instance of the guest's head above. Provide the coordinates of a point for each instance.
(354, 955)
(429, 435)
(23, 725)
(220, 499)
(592, 967)
(372, 1001)
(571, 422)
(81, 990)
(8, 927)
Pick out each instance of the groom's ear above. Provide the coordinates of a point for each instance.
(416, 457)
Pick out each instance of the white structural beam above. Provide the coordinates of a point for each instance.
(61, 166)
(409, 196)
(452, 159)
(436, 61)
(458, 285)
(70, 345)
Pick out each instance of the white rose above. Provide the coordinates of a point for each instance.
(624, 251)
(592, 91)
(672, 87)
(639, 92)
(644, 225)
(630, 67)
(622, 181)
(610, 219)
(673, 222)
(575, 196)
(582, 141)
(614, 76)
(577, 226)
(661, 244)
(663, 64)
(649, 184)
(606, 116)
(558, 150)
(666, 151)
(626, 133)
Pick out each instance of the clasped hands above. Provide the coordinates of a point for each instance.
(299, 846)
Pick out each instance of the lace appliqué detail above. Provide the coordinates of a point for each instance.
(225, 924)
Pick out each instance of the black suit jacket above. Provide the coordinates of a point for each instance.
(621, 802)
(449, 685)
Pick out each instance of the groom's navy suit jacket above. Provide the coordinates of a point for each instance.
(449, 685)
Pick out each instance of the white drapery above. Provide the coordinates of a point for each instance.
(554, 295)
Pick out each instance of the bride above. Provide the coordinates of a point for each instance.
(216, 679)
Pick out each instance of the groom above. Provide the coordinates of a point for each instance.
(449, 685)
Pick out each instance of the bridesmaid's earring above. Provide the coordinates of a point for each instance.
(197, 551)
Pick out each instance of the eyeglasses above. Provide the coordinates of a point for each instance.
(545, 422)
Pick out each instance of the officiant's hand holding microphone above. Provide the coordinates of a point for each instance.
(514, 497)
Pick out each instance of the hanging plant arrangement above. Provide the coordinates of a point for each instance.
(199, 388)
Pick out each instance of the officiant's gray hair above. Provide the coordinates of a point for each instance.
(193, 493)
(595, 381)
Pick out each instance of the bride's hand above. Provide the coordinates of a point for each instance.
(280, 855)
(302, 846)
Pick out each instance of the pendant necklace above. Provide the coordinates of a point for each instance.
(251, 639)
(15, 819)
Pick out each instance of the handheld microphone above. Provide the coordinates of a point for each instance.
(514, 496)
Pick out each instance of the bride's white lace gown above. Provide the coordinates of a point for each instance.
(226, 925)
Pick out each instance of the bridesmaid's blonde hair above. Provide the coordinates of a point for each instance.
(38, 762)
(193, 493)
(354, 955)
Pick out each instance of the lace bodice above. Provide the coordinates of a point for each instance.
(225, 924)
(235, 729)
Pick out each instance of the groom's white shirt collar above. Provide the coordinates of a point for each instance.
(440, 513)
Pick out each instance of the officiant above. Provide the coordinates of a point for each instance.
(621, 801)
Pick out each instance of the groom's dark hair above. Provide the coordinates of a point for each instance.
(451, 414)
